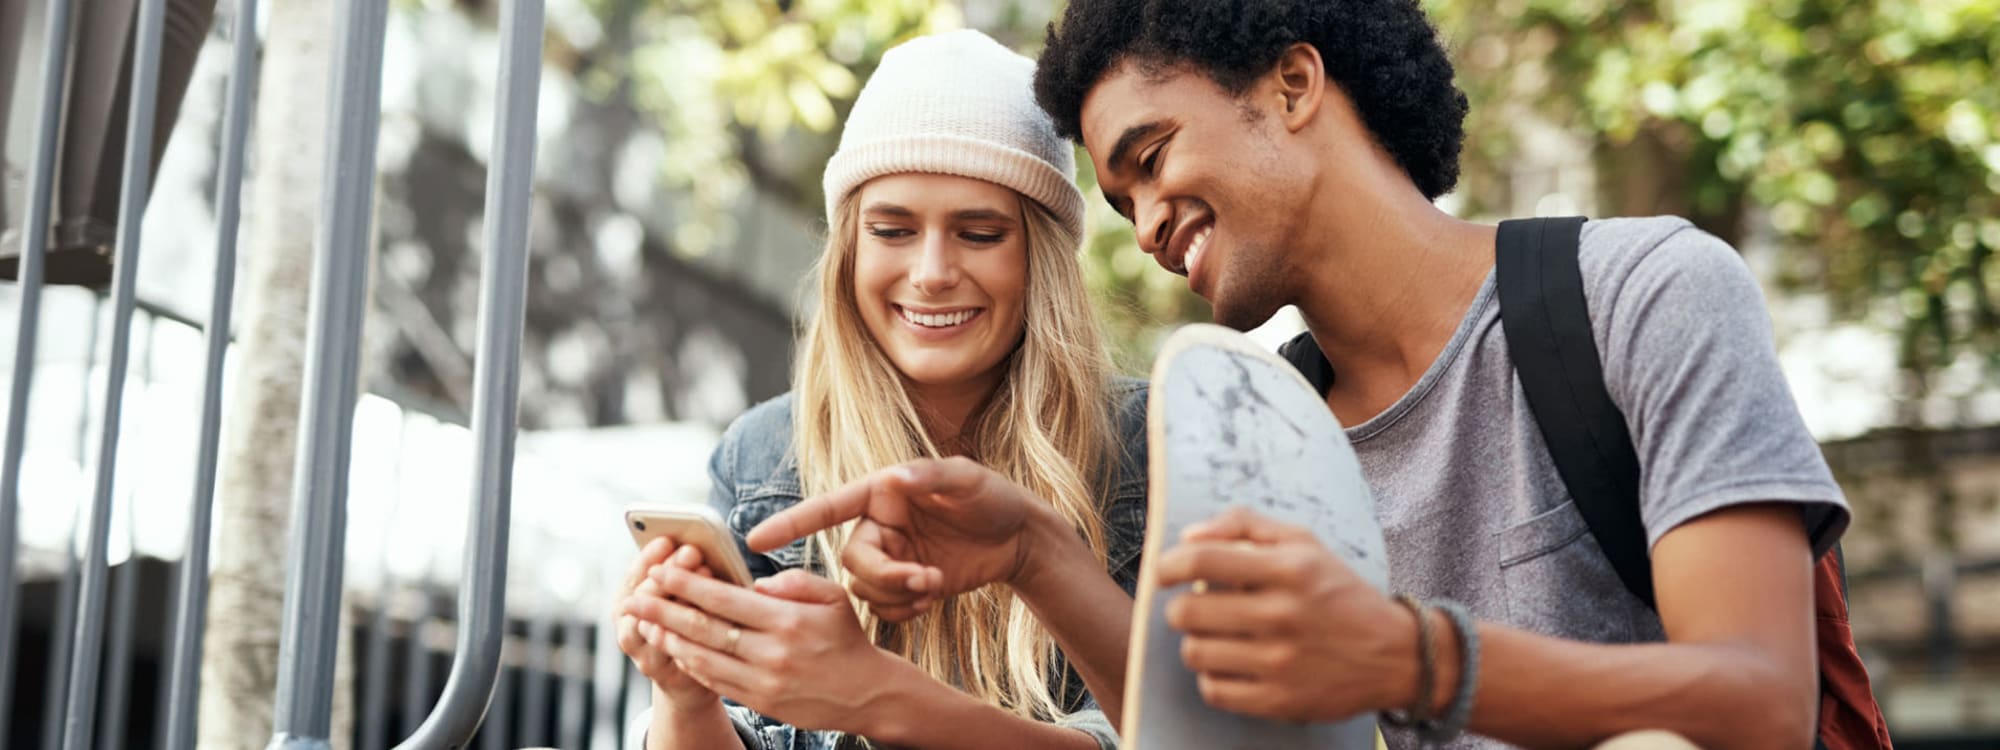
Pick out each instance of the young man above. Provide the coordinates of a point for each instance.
(1288, 152)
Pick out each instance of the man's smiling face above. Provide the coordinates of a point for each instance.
(1202, 176)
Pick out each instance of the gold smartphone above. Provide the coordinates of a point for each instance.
(698, 525)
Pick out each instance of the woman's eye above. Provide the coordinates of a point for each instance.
(983, 238)
(889, 233)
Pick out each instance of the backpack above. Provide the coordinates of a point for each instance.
(1547, 324)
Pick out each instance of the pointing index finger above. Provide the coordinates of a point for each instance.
(811, 515)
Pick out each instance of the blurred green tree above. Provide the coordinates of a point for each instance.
(1866, 133)
(748, 93)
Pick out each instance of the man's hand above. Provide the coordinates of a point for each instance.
(929, 529)
(1278, 627)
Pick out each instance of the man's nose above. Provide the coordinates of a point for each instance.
(1155, 226)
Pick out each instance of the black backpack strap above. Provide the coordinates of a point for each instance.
(1547, 323)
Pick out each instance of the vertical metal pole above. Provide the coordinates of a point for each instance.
(132, 193)
(575, 666)
(607, 678)
(308, 641)
(497, 379)
(417, 686)
(124, 595)
(191, 598)
(375, 677)
(65, 621)
(34, 243)
(62, 633)
(534, 679)
(111, 721)
(495, 735)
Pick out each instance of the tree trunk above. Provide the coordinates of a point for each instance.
(240, 652)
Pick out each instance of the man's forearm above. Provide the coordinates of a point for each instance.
(1083, 608)
(1539, 691)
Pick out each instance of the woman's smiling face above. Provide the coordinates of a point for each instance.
(940, 275)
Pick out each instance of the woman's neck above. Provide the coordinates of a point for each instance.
(948, 410)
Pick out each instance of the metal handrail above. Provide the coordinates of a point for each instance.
(78, 727)
(307, 642)
(190, 619)
(497, 379)
(34, 245)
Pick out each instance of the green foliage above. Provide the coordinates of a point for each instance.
(1867, 132)
(746, 92)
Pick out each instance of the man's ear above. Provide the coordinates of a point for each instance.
(1299, 80)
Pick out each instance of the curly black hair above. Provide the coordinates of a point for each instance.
(1384, 54)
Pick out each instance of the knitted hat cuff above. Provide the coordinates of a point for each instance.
(856, 164)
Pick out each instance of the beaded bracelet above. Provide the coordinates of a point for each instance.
(1419, 712)
(1459, 712)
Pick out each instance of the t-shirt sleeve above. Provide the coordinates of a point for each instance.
(1690, 359)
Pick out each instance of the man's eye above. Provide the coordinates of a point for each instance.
(1151, 161)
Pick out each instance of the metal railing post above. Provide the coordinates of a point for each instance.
(535, 674)
(34, 245)
(132, 193)
(111, 718)
(575, 667)
(309, 639)
(64, 630)
(498, 735)
(375, 679)
(418, 683)
(191, 597)
(502, 302)
(608, 668)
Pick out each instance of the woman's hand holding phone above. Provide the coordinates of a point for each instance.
(789, 648)
(645, 642)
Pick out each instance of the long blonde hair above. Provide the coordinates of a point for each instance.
(1046, 426)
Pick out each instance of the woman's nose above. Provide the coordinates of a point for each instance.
(937, 269)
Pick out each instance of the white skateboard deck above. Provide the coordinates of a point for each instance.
(1233, 425)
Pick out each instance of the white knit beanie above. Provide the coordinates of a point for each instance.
(956, 103)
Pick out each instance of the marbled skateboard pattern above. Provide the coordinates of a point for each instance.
(1234, 425)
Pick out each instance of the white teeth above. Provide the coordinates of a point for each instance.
(940, 320)
(1195, 247)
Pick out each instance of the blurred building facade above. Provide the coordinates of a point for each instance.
(639, 347)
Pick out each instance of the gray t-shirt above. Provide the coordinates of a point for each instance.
(1471, 502)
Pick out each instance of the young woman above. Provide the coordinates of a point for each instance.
(952, 320)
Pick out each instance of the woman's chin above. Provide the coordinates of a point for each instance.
(938, 377)
(938, 369)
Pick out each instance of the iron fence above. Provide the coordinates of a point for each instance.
(87, 606)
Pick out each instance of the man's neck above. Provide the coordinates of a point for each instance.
(1397, 278)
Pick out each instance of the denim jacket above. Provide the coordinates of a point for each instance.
(755, 474)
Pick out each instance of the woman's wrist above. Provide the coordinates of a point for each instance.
(685, 716)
